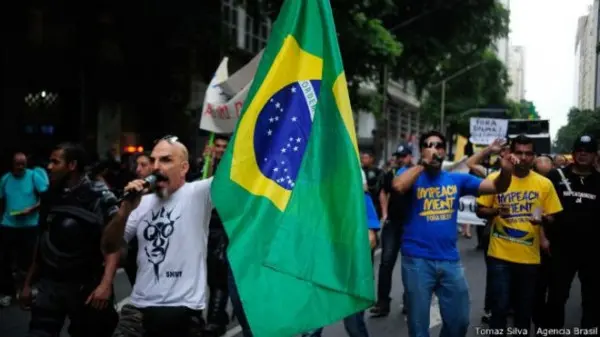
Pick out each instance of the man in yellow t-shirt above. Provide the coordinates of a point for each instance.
(516, 236)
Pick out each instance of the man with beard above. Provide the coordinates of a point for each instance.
(430, 258)
(171, 226)
(516, 237)
(574, 235)
(73, 282)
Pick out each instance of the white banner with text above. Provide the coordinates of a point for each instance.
(483, 131)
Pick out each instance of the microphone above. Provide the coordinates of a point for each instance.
(149, 183)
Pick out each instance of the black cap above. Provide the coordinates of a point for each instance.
(403, 150)
(587, 143)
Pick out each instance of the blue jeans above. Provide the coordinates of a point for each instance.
(354, 324)
(391, 234)
(523, 279)
(422, 278)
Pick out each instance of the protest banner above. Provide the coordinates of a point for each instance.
(483, 131)
(225, 97)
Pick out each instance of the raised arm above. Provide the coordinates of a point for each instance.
(474, 161)
(501, 183)
(405, 181)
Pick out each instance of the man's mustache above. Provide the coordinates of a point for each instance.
(159, 176)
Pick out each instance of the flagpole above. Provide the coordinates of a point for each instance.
(208, 157)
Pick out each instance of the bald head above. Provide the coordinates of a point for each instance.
(175, 149)
(543, 165)
(170, 159)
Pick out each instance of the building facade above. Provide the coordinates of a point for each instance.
(516, 71)
(502, 45)
(577, 64)
(398, 123)
(585, 49)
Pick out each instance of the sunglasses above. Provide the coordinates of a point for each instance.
(435, 145)
(168, 138)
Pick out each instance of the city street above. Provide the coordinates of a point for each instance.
(13, 321)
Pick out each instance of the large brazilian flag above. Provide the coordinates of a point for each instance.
(289, 187)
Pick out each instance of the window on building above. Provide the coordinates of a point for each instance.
(256, 36)
(229, 15)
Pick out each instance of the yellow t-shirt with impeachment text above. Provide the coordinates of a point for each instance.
(513, 237)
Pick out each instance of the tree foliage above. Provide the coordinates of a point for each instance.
(411, 37)
(435, 31)
(365, 42)
(484, 85)
(578, 123)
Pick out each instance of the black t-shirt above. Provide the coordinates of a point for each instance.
(396, 202)
(374, 183)
(579, 196)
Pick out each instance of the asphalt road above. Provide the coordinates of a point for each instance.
(13, 321)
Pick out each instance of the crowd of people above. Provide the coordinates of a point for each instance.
(539, 214)
(63, 231)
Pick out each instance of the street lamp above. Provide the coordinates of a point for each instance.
(443, 94)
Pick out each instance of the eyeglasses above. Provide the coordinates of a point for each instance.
(168, 138)
(435, 145)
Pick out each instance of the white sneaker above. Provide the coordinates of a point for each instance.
(5, 301)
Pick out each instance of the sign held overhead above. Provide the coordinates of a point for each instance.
(484, 131)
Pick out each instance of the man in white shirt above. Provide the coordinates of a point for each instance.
(171, 226)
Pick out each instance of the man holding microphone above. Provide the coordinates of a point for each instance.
(171, 226)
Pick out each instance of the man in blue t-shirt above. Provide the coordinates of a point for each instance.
(430, 258)
(19, 194)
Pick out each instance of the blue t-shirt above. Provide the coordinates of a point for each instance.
(19, 194)
(430, 230)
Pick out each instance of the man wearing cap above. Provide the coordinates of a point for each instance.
(392, 204)
(573, 236)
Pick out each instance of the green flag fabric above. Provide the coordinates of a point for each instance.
(289, 187)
